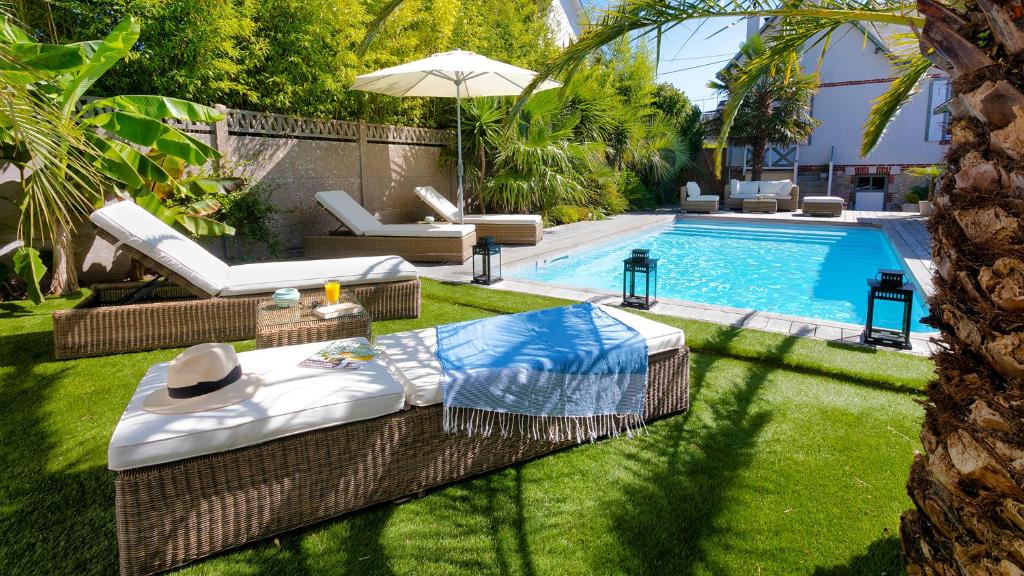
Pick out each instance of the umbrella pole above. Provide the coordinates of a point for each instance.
(458, 137)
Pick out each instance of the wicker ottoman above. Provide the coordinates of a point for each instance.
(702, 206)
(823, 206)
(298, 325)
(768, 205)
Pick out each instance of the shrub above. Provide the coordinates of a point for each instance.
(612, 201)
(251, 212)
(567, 214)
(634, 191)
(912, 197)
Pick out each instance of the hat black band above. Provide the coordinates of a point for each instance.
(201, 388)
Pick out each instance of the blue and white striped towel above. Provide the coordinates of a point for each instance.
(568, 372)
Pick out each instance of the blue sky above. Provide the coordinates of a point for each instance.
(692, 52)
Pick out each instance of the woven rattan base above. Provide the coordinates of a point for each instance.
(97, 326)
(172, 514)
(529, 234)
(437, 249)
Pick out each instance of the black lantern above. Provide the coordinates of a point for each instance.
(639, 271)
(891, 287)
(484, 270)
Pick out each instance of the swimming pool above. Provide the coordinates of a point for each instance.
(811, 271)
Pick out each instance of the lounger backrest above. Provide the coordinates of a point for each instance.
(351, 214)
(439, 203)
(133, 226)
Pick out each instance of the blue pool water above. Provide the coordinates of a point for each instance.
(812, 271)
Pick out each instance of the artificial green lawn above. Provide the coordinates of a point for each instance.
(792, 460)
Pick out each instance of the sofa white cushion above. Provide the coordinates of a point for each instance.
(692, 190)
(748, 189)
(779, 188)
(734, 188)
(134, 226)
(351, 214)
(413, 360)
(269, 276)
(292, 400)
(509, 219)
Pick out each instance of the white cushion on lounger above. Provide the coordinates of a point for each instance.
(692, 190)
(425, 230)
(413, 361)
(351, 214)
(291, 401)
(134, 226)
(526, 219)
(702, 198)
(269, 276)
(450, 212)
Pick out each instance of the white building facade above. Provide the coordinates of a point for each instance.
(858, 68)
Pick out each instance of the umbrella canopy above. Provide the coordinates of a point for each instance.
(454, 74)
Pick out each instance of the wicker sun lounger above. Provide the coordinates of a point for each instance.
(415, 242)
(174, 513)
(505, 228)
(182, 307)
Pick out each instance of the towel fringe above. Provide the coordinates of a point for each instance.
(556, 429)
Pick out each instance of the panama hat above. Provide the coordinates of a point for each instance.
(203, 377)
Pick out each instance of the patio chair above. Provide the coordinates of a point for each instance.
(198, 298)
(505, 228)
(368, 237)
(691, 200)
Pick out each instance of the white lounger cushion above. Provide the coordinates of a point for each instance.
(823, 199)
(450, 212)
(291, 401)
(302, 274)
(136, 227)
(702, 198)
(425, 230)
(362, 223)
(413, 361)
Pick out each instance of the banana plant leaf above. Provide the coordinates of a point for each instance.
(204, 207)
(153, 134)
(153, 205)
(114, 47)
(40, 61)
(201, 226)
(29, 266)
(159, 107)
(9, 32)
(208, 186)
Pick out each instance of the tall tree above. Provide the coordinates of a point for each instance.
(968, 484)
(775, 112)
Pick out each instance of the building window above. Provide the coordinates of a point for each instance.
(938, 124)
(871, 183)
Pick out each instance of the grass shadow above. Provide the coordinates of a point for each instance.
(883, 556)
(681, 481)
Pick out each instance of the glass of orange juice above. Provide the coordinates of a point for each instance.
(332, 290)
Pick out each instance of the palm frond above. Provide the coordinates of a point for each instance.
(910, 73)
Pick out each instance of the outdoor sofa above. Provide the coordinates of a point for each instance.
(505, 228)
(312, 444)
(198, 298)
(785, 192)
(691, 200)
(368, 237)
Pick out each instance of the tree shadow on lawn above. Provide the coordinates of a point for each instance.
(56, 517)
(683, 477)
(883, 556)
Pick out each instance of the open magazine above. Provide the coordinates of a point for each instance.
(348, 354)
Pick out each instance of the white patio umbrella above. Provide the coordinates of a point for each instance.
(451, 75)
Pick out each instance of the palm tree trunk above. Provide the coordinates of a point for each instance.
(757, 150)
(968, 484)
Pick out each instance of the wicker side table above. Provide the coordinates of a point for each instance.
(760, 205)
(298, 325)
